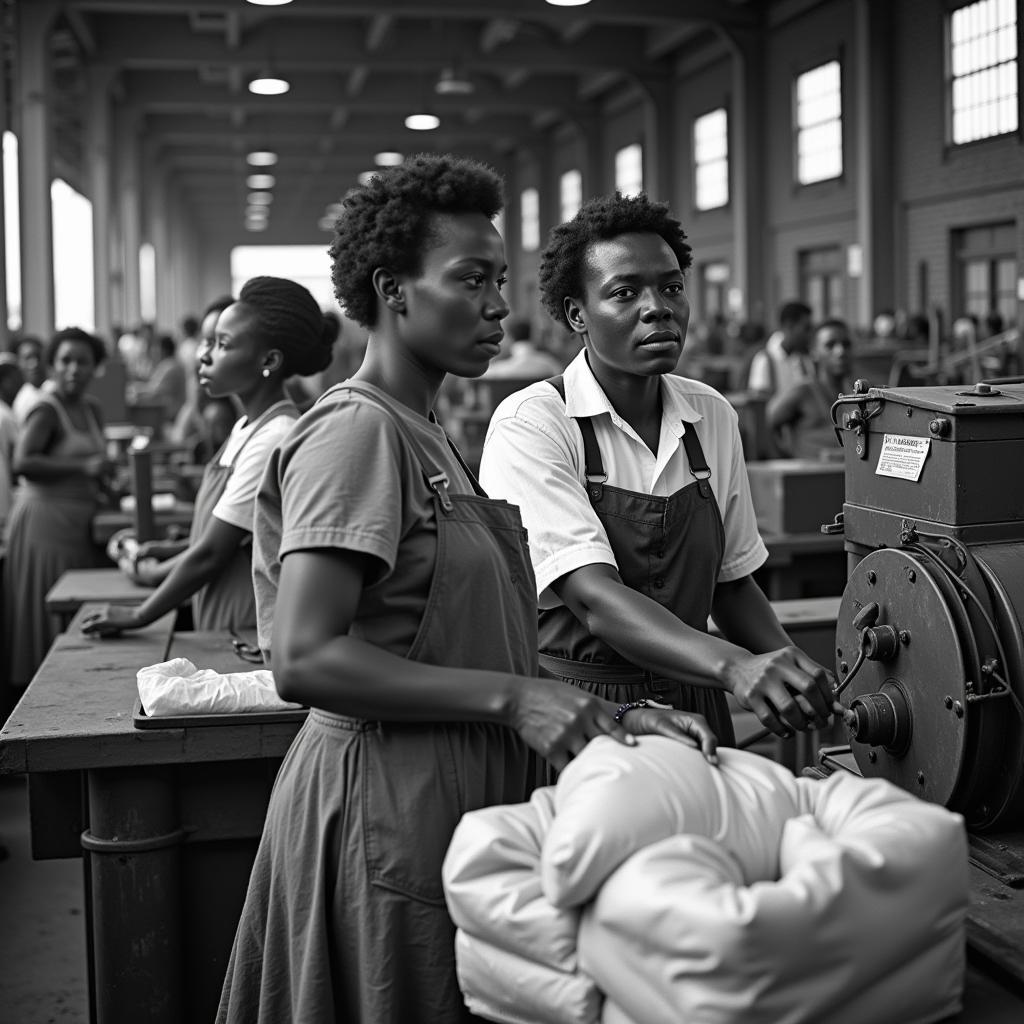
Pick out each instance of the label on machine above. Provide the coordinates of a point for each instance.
(902, 456)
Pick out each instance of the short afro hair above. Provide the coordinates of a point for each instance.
(99, 350)
(386, 222)
(562, 263)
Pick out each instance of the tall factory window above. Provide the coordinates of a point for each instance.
(529, 212)
(711, 160)
(74, 302)
(983, 70)
(819, 124)
(987, 271)
(570, 194)
(12, 230)
(629, 169)
(821, 281)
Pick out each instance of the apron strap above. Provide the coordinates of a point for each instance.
(699, 468)
(465, 466)
(437, 479)
(593, 464)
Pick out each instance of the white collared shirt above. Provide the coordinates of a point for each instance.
(533, 457)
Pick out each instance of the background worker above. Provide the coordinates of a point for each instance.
(275, 329)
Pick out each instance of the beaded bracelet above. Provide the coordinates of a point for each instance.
(629, 706)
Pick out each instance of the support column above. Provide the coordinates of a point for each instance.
(596, 178)
(35, 145)
(129, 210)
(875, 57)
(99, 176)
(746, 146)
(659, 131)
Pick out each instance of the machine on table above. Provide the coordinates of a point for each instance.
(930, 633)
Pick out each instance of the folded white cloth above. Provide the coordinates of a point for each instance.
(737, 895)
(177, 687)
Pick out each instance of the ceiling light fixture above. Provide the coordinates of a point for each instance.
(568, 3)
(261, 158)
(255, 225)
(259, 198)
(422, 122)
(259, 181)
(268, 3)
(388, 159)
(325, 223)
(267, 84)
(366, 177)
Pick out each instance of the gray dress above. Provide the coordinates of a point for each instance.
(345, 918)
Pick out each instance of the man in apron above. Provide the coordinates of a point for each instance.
(633, 489)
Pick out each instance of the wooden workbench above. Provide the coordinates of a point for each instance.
(166, 820)
(76, 586)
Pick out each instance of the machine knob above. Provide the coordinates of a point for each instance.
(940, 426)
(880, 643)
(861, 386)
(867, 616)
(881, 719)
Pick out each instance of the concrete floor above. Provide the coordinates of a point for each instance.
(42, 926)
(42, 937)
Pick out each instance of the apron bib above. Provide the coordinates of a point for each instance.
(667, 548)
(227, 602)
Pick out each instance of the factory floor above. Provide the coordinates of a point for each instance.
(42, 936)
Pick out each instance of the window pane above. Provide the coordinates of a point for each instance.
(983, 83)
(73, 298)
(629, 175)
(529, 206)
(711, 158)
(12, 230)
(570, 194)
(819, 124)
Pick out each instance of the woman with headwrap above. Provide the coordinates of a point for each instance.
(274, 330)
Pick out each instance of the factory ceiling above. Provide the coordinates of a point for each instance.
(499, 74)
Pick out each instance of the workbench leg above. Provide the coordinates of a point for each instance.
(133, 850)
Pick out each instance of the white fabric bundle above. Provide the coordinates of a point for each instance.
(709, 896)
(177, 687)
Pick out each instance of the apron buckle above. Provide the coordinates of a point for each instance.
(439, 484)
(595, 485)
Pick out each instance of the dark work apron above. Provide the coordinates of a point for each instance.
(363, 811)
(669, 549)
(228, 601)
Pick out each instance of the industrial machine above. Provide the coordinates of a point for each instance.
(930, 633)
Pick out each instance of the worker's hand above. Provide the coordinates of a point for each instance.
(558, 720)
(787, 690)
(110, 622)
(685, 726)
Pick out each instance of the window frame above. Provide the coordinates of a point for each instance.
(1017, 134)
(696, 164)
(837, 59)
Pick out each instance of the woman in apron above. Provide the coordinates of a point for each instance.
(274, 330)
(61, 457)
(633, 488)
(420, 668)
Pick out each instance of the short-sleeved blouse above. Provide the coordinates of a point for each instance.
(344, 479)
